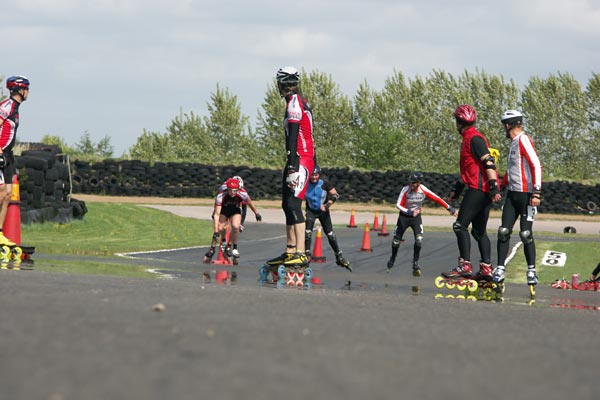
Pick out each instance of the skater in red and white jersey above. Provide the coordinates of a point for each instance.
(223, 188)
(301, 160)
(523, 179)
(228, 210)
(18, 87)
(410, 203)
(478, 173)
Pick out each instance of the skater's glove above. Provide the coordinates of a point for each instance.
(452, 210)
(258, 217)
(494, 190)
(2, 161)
(293, 178)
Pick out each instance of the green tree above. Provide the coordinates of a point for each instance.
(269, 129)
(555, 116)
(592, 94)
(58, 141)
(86, 146)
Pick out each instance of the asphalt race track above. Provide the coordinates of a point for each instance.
(361, 335)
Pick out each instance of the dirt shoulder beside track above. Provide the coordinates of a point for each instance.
(339, 206)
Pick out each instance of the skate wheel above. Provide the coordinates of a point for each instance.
(461, 297)
(450, 285)
(472, 286)
(449, 296)
(5, 253)
(16, 253)
(438, 296)
(471, 298)
(439, 282)
(308, 273)
(281, 271)
(264, 273)
(461, 286)
(281, 283)
(532, 291)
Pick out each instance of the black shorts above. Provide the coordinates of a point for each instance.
(10, 168)
(230, 210)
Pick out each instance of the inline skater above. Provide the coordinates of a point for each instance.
(18, 87)
(523, 179)
(320, 196)
(228, 210)
(409, 204)
(300, 162)
(478, 174)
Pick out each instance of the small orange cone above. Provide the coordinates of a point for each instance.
(221, 259)
(317, 255)
(12, 223)
(352, 223)
(366, 244)
(384, 231)
(376, 222)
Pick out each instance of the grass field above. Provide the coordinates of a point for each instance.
(110, 228)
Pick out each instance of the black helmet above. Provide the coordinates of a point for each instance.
(317, 170)
(415, 177)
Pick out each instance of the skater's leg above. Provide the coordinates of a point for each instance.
(310, 223)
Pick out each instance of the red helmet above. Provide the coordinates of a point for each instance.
(232, 183)
(465, 114)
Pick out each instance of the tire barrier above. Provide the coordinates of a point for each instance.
(45, 186)
(185, 179)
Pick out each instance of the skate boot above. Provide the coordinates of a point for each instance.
(390, 264)
(297, 259)
(498, 274)
(227, 252)
(416, 270)
(532, 278)
(342, 262)
(308, 253)
(464, 270)
(236, 255)
(4, 241)
(280, 260)
(485, 272)
(209, 255)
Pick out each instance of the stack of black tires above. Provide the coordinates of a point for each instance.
(45, 186)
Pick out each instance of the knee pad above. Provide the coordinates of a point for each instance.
(503, 234)
(396, 243)
(457, 227)
(308, 234)
(526, 236)
(331, 235)
(419, 240)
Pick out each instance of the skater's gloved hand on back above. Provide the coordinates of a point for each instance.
(292, 177)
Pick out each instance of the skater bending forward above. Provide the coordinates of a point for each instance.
(410, 202)
(320, 196)
(228, 209)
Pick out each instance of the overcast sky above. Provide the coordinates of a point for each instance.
(117, 67)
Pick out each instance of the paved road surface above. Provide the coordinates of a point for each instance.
(361, 335)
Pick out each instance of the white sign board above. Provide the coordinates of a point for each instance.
(554, 259)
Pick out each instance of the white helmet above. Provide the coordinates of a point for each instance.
(511, 117)
(240, 180)
(287, 77)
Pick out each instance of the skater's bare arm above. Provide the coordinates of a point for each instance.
(216, 214)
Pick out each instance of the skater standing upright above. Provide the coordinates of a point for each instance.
(410, 202)
(18, 87)
(478, 173)
(320, 196)
(523, 179)
(301, 157)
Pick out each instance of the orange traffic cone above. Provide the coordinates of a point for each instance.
(352, 223)
(12, 223)
(317, 255)
(221, 259)
(366, 244)
(384, 231)
(376, 222)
